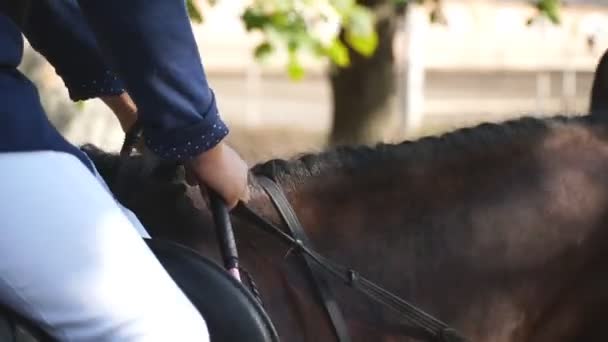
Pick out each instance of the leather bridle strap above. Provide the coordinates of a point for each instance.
(420, 324)
(131, 139)
(297, 232)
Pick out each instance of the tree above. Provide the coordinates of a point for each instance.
(358, 44)
(356, 37)
(364, 91)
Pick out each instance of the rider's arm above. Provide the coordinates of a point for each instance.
(151, 45)
(59, 32)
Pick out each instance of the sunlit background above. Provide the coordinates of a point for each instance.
(484, 62)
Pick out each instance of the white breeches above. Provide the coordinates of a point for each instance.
(73, 260)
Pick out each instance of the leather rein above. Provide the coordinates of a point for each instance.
(419, 324)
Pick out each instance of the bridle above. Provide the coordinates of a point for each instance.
(419, 324)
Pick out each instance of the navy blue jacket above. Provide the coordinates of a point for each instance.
(103, 47)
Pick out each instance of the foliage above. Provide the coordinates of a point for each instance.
(549, 9)
(312, 26)
(317, 26)
(193, 12)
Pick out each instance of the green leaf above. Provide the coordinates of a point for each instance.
(318, 49)
(291, 25)
(551, 9)
(263, 50)
(293, 45)
(193, 12)
(437, 16)
(290, 21)
(254, 19)
(294, 67)
(360, 32)
(365, 45)
(279, 20)
(338, 53)
(343, 6)
(360, 22)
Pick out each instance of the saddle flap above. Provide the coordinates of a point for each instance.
(232, 313)
(15, 328)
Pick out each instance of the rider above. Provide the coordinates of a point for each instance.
(71, 259)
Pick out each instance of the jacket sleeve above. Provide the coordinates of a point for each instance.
(151, 46)
(59, 32)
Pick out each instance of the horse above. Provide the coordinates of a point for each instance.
(500, 230)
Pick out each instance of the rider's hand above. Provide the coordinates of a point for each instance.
(124, 109)
(224, 171)
(220, 168)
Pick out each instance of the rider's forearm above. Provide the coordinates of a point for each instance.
(58, 31)
(151, 45)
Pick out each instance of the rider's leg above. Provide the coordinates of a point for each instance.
(71, 260)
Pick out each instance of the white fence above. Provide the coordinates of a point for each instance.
(482, 37)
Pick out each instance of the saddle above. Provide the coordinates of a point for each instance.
(15, 328)
(230, 310)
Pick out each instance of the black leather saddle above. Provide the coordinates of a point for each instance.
(14, 328)
(232, 313)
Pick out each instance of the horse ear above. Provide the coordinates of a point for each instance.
(599, 90)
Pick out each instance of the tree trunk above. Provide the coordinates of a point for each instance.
(364, 94)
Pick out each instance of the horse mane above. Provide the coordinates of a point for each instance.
(477, 139)
(153, 170)
(481, 138)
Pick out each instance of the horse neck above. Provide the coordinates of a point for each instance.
(458, 228)
(406, 222)
(391, 201)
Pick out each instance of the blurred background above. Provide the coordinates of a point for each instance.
(297, 76)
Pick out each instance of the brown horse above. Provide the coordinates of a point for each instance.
(500, 230)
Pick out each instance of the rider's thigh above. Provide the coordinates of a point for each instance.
(72, 262)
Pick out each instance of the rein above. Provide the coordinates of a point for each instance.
(299, 234)
(420, 325)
